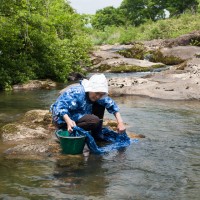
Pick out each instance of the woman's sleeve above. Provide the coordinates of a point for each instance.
(68, 101)
(109, 104)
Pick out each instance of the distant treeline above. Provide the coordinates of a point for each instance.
(138, 12)
(144, 20)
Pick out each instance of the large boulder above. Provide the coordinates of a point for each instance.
(33, 125)
(35, 84)
(101, 55)
(126, 65)
(175, 55)
(115, 59)
(32, 135)
(182, 52)
(16, 132)
(178, 83)
(192, 38)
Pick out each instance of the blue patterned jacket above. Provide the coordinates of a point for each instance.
(75, 103)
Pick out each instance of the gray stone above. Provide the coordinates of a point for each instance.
(170, 84)
(35, 84)
(182, 52)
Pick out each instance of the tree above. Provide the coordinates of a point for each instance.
(139, 11)
(179, 6)
(108, 16)
(40, 39)
(198, 7)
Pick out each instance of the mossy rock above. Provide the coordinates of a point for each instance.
(127, 68)
(157, 56)
(9, 128)
(15, 132)
(110, 123)
(37, 116)
(195, 41)
(104, 67)
(133, 68)
(35, 84)
(138, 51)
(34, 125)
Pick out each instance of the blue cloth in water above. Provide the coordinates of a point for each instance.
(116, 140)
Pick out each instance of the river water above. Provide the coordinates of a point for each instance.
(164, 165)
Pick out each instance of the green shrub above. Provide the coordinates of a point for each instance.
(40, 40)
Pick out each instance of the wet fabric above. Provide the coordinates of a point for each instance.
(116, 141)
(75, 103)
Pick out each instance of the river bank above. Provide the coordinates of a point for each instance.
(180, 81)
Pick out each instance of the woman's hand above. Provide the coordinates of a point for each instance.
(70, 123)
(121, 127)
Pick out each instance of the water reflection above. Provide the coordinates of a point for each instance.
(80, 175)
(15, 103)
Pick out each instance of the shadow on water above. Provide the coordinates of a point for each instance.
(164, 165)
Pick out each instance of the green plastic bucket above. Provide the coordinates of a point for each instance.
(69, 144)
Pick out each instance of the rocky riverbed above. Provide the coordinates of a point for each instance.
(181, 81)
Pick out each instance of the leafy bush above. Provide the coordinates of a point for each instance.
(40, 39)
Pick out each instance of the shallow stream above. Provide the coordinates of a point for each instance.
(164, 165)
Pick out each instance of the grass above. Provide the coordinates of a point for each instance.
(162, 29)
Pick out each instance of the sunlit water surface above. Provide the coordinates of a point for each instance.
(164, 165)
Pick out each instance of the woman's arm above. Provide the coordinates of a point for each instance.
(120, 125)
(70, 123)
(66, 104)
(112, 108)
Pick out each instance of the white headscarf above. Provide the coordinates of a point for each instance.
(96, 83)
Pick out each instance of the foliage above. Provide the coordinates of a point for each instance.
(195, 42)
(108, 16)
(40, 39)
(162, 29)
(198, 7)
(179, 6)
(138, 12)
